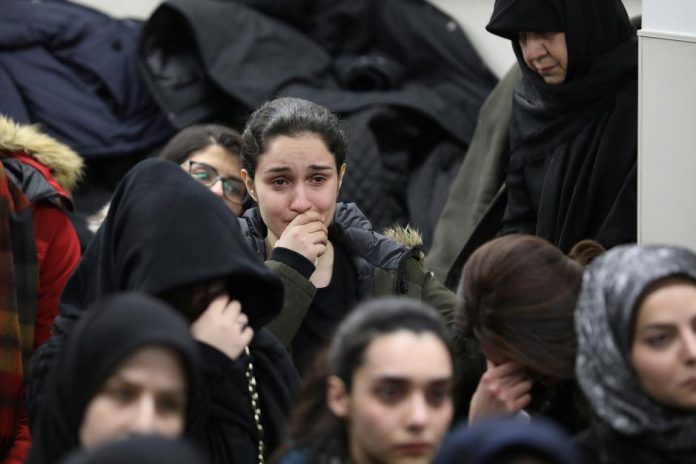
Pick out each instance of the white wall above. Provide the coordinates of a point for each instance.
(471, 14)
(667, 115)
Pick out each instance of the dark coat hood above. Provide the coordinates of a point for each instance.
(164, 231)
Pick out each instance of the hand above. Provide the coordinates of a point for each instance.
(502, 389)
(223, 325)
(306, 234)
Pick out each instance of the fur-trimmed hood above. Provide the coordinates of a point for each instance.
(408, 236)
(66, 166)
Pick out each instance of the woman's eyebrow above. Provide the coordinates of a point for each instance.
(656, 326)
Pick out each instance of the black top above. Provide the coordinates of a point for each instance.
(573, 146)
(330, 305)
(111, 330)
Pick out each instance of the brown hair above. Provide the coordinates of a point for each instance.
(518, 296)
(585, 251)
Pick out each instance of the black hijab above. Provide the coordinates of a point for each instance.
(111, 330)
(166, 231)
(576, 142)
(139, 450)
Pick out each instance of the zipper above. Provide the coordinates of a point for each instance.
(401, 283)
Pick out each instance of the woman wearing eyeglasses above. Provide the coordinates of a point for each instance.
(210, 153)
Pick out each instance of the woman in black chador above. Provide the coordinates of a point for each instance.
(168, 236)
(573, 135)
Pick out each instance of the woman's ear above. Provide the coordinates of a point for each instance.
(341, 173)
(337, 398)
(249, 183)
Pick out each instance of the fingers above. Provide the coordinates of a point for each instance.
(308, 217)
(242, 320)
(246, 335)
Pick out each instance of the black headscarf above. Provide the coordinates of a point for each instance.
(111, 330)
(577, 141)
(488, 441)
(613, 286)
(139, 450)
(165, 231)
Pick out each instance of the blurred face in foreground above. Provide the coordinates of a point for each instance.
(400, 404)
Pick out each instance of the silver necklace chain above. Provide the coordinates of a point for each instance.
(255, 406)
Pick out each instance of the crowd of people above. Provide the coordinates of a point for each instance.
(230, 309)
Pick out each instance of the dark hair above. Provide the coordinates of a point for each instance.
(585, 251)
(200, 137)
(313, 425)
(518, 294)
(290, 117)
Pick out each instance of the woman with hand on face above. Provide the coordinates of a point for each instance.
(168, 236)
(381, 392)
(518, 296)
(325, 252)
(636, 324)
(573, 137)
(129, 367)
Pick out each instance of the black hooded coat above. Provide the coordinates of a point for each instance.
(165, 231)
(573, 146)
(112, 330)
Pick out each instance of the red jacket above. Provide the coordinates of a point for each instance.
(55, 239)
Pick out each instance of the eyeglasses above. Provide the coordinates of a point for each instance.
(233, 189)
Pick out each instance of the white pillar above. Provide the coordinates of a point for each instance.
(667, 123)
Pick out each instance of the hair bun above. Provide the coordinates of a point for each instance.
(585, 251)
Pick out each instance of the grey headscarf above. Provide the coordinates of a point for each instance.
(612, 287)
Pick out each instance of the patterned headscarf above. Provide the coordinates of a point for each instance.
(612, 288)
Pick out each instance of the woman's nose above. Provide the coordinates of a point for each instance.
(419, 412)
(689, 344)
(534, 48)
(144, 418)
(216, 188)
(300, 202)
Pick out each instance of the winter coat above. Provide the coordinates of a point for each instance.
(402, 75)
(45, 171)
(383, 267)
(474, 208)
(76, 71)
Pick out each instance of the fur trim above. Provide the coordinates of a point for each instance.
(66, 166)
(408, 236)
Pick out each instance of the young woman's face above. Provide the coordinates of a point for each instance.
(293, 176)
(400, 405)
(146, 394)
(225, 164)
(546, 53)
(664, 344)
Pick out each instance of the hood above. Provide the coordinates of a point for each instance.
(65, 165)
(165, 232)
(407, 236)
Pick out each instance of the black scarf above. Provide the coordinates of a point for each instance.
(139, 450)
(165, 231)
(111, 330)
(572, 168)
